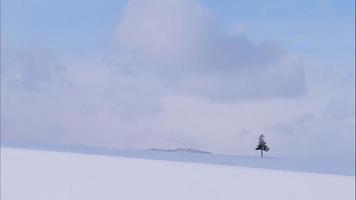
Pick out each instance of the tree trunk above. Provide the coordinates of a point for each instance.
(261, 153)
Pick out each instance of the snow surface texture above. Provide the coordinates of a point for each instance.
(43, 175)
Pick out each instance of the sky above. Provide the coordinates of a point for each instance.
(210, 75)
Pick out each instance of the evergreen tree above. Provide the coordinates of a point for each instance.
(262, 145)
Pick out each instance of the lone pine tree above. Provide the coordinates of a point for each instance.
(262, 145)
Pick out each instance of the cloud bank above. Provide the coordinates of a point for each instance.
(185, 48)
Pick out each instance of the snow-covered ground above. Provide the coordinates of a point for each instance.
(52, 175)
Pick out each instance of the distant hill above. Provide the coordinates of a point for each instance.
(184, 150)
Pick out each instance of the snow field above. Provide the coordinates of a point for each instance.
(46, 175)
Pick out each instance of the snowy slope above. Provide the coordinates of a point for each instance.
(47, 175)
(339, 167)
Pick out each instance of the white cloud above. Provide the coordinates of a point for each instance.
(183, 46)
(31, 68)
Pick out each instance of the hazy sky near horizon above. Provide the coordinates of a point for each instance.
(210, 75)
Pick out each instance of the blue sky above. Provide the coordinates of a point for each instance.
(303, 26)
(200, 74)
